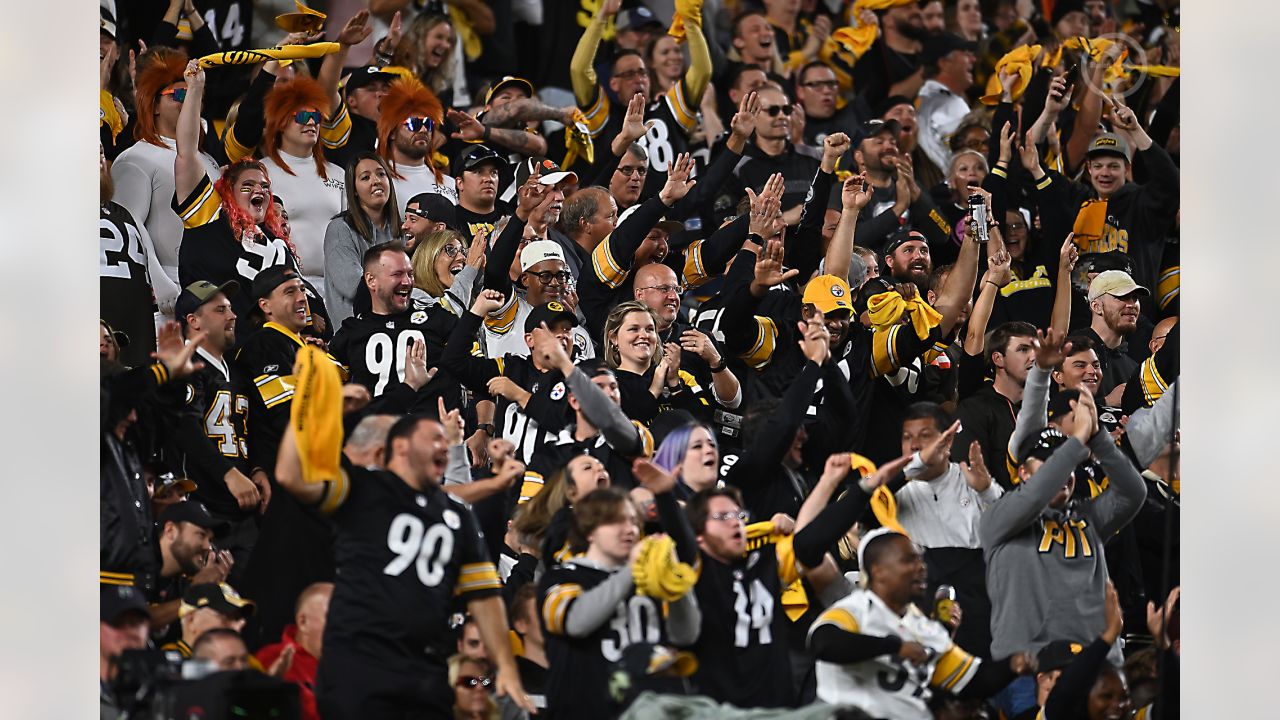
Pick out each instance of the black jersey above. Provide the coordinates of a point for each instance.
(210, 251)
(124, 283)
(404, 557)
(374, 347)
(207, 437)
(578, 676)
(742, 647)
(670, 119)
(470, 223)
(565, 447)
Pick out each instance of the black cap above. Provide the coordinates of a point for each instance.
(221, 597)
(434, 207)
(192, 511)
(1104, 261)
(475, 156)
(270, 279)
(1060, 403)
(1062, 7)
(549, 313)
(114, 601)
(507, 82)
(872, 287)
(903, 235)
(875, 126)
(940, 45)
(636, 17)
(362, 76)
(198, 293)
(1057, 655)
(1041, 445)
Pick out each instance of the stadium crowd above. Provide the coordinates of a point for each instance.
(599, 358)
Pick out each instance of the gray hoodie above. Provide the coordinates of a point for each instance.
(1046, 573)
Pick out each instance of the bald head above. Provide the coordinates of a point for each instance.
(656, 287)
(1159, 332)
(365, 445)
(309, 615)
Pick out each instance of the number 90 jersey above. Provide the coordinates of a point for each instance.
(374, 347)
(403, 557)
(889, 686)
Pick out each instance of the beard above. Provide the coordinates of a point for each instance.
(913, 32)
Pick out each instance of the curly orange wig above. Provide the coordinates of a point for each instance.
(282, 102)
(158, 68)
(236, 216)
(405, 98)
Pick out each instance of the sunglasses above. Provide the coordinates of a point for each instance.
(822, 84)
(742, 515)
(773, 110)
(629, 74)
(472, 681)
(414, 124)
(302, 117)
(452, 250)
(179, 94)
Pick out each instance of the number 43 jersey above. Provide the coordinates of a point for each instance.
(403, 556)
(889, 686)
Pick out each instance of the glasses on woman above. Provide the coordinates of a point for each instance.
(546, 277)
(732, 516)
(178, 94)
(414, 124)
(472, 682)
(773, 110)
(640, 170)
(452, 250)
(302, 117)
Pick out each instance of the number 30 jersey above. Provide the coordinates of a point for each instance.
(403, 556)
(889, 686)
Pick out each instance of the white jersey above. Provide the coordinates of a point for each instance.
(504, 332)
(889, 686)
(419, 179)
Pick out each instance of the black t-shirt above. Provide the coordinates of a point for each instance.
(797, 163)
(404, 557)
(470, 223)
(881, 67)
(124, 284)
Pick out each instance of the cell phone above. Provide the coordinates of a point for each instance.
(978, 215)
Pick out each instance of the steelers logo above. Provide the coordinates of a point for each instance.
(418, 317)
(557, 391)
(555, 306)
(452, 520)
(837, 291)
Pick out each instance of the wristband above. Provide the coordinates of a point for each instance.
(721, 366)
(485, 137)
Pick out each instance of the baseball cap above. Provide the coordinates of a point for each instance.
(221, 597)
(270, 279)
(506, 82)
(1103, 261)
(108, 22)
(875, 126)
(198, 293)
(1041, 445)
(1114, 282)
(116, 600)
(549, 313)
(1060, 403)
(1057, 655)
(636, 17)
(363, 76)
(903, 236)
(434, 207)
(828, 293)
(168, 484)
(551, 172)
(478, 155)
(1108, 144)
(539, 250)
(668, 226)
(939, 46)
(192, 511)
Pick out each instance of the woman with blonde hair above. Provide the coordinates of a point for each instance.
(445, 269)
(472, 681)
(648, 374)
(428, 48)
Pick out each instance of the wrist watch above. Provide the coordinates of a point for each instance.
(487, 428)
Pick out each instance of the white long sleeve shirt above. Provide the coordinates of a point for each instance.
(942, 512)
(311, 201)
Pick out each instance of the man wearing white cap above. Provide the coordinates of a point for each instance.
(544, 277)
(1115, 305)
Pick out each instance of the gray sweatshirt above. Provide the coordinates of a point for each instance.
(343, 253)
(1046, 573)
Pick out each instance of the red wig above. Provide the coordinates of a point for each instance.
(406, 98)
(158, 68)
(236, 216)
(282, 102)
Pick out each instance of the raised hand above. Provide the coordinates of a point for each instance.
(1059, 96)
(633, 125)
(651, 477)
(469, 128)
(887, 472)
(477, 253)
(939, 451)
(1006, 143)
(1069, 253)
(834, 146)
(1050, 348)
(193, 74)
(975, 470)
(176, 354)
(768, 270)
(452, 422)
(1158, 618)
(856, 193)
(797, 124)
(1000, 268)
(743, 122)
(356, 30)
(1029, 154)
(679, 181)
(1085, 414)
(815, 340)
(416, 374)
(549, 352)
(486, 302)
(388, 44)
(836, 469)
(530, 195)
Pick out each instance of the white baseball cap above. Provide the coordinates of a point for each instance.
(539, 250)
(1114, 282)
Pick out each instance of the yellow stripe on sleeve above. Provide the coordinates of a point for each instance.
(474, 577)
(500, 321)
(274, 389)
(646, 439)
(1168, 286)
(234, 149)
(954, 670)
(335, 493)
(335, 133)
(694, 272)
(762, 349)
(556, 606)
(839, 617)
(597, 116)
(530, 487)
(680, 110)
(201, 206)
(1153, 385)
(114, 578)
(607, 269)
(884, 356)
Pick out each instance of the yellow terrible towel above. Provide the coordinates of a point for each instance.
(316, 415)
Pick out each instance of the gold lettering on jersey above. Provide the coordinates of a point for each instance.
(1038, 279)
(940, 221)
(1070, 535)
(1112, 238)
(474, 229)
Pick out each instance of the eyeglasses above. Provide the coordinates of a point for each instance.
(473, 681)
(773, 110)
(302, 117)
(822, 84)
(666, 289)
(179, 94)
(740, 515)
(546, 276)
(414, 124)
(629, 74)
(452, 250)
(640, 170)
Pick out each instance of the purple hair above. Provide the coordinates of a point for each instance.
(670, 454)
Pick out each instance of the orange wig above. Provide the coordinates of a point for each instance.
(157, 69)
(239, 220)
(282, 102)
(406, 98)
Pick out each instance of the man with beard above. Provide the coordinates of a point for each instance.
(903, 109)
(130, 279)
(878, 651)
(424, 214)
(948, 66)
(409, 132)
(378, 346)
(891, 66)
(186, 558)
(1115, 304)
(896, 201)
(772, 152)
(989, 414)
(907, 259)
(478, 173)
